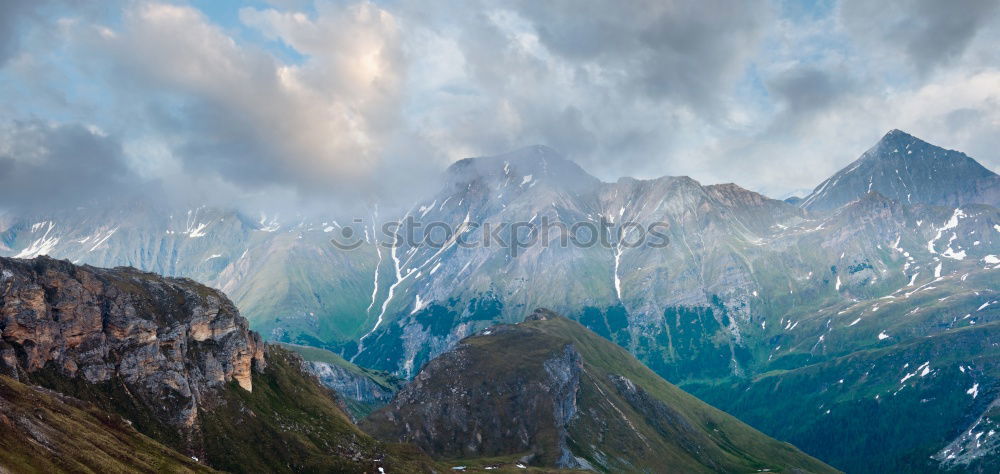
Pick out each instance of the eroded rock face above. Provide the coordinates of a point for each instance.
(169, 342)
(467, 404)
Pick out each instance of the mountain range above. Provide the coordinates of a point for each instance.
(858, 293)
(119, 369)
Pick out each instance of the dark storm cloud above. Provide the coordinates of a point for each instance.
(43, 164)
(930, 33)
(683, 51)
(806, 92)
(806, 89)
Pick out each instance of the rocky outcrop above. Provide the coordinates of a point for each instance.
(550, 393)
(471, 403)
(167, 343)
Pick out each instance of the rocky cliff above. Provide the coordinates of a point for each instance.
(466, 418)
(165, 339)
(177, 362)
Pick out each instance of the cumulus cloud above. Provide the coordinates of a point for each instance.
(235, 110)
(614, 86)
(372, 99)
(686, 51)
(807, 90)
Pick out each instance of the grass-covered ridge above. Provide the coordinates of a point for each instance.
(362, 390)
(289, 423)
(725, 443)
(625, 417)
(315, 354)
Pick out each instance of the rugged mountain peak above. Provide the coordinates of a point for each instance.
(907, 169)
(559, 395)
(735, 195)
(898, 137)
(897, 144)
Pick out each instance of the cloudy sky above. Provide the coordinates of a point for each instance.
(324, 99)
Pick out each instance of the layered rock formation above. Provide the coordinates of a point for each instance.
(170, 342)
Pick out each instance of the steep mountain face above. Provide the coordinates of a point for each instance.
(912, 171)
(624, 291)
(559, 395)
(738, 266)
(176, 359)
(739, 272)
(46, 432)
(747, 286)
(161, 339)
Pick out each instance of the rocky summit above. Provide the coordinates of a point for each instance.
(558, 395)
(909, 170)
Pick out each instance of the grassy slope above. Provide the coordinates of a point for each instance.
(46, 433)
(291, 424)
(308, 288)
(315, 354)
(607, 430)
(731, 445)
(848, 410)
(288, 423)
(357, 408)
